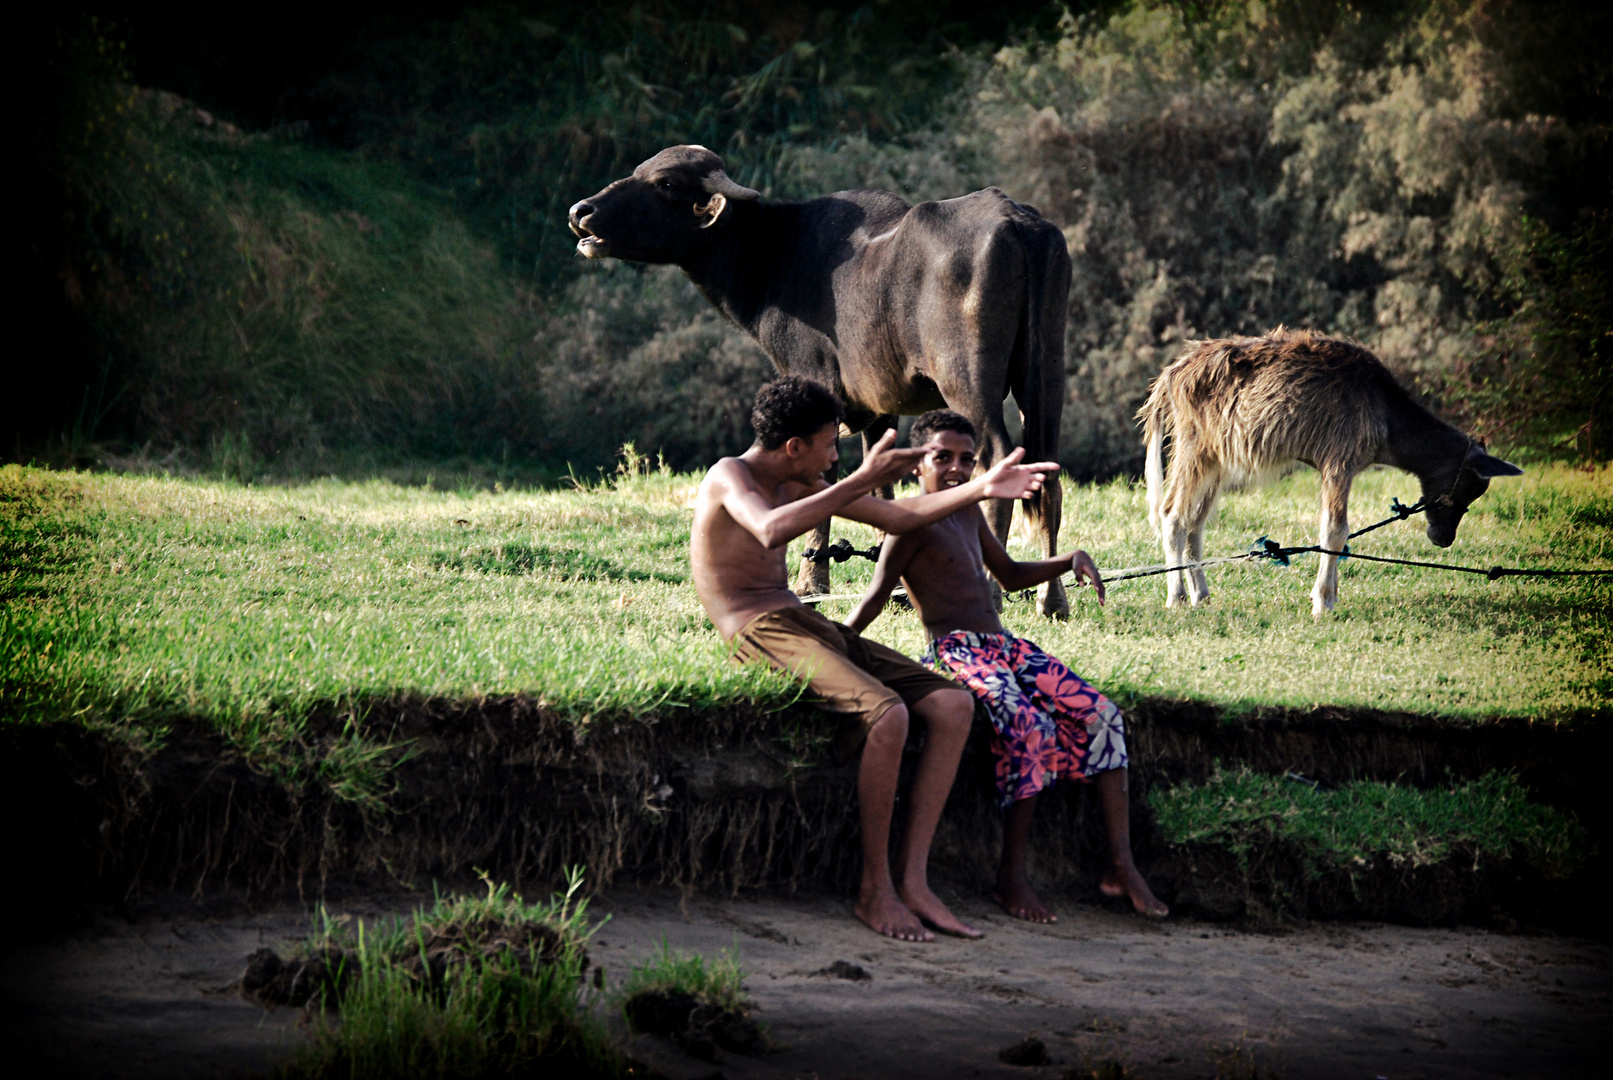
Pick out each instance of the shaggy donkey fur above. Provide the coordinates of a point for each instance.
(1242, 411)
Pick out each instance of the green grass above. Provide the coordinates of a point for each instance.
(132, 603)
(719, 982)
(1403, 639)
(1361, 823)
(507, 997)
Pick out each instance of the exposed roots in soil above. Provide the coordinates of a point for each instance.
(726, 801)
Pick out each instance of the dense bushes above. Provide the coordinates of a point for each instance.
(1375, 188)
(280, 305)
(393, 279)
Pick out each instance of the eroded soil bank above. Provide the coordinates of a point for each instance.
(731, 801)
(147, 993)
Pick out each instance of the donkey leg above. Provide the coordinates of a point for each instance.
(1332, 532)
(1198, 584)
(1173, 539)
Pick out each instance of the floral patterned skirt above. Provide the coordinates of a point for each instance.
(1050, 722)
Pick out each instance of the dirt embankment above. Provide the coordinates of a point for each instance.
(719, 801)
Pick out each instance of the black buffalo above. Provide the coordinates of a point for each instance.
(898, 308)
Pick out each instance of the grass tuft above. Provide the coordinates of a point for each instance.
(474, 987)
(719, 982)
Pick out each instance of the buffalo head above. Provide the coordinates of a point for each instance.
(1471, 479)
(657, 214)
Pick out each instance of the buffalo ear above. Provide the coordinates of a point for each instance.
(711, 211)
(1488, 466)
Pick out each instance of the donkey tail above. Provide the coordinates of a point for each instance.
(1155, 415)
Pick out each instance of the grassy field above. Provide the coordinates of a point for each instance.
(136, 602)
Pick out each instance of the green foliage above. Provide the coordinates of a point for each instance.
(636, 355)
(1547, 379)
(1426, 177)
(520, 113)
(270, 301)
(1364, 823)
(474, 987)
(719, 982)
(1297, 164)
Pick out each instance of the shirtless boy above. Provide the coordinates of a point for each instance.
(748, 508)
(1050, 723)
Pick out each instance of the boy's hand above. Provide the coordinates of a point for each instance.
(884, 464)
(1083, 567)
(1008, 479)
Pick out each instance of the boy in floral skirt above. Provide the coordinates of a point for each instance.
(1050, 723)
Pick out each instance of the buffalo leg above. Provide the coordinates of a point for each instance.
(871, 435)
(994, 444)
(1332, 532)
(813, 578)
(1051, 597)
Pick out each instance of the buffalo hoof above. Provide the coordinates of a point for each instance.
(813, 580)
(1053, 600)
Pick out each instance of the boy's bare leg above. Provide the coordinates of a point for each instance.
(878, 905)
(1122, 878)
(947, 715)
(1014, 892)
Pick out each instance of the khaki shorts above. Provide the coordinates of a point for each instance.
(845, 671)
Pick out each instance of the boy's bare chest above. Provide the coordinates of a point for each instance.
(952, 552)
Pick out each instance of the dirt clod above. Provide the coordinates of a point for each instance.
(699, 1028)
(841, 969)
(1029, 1054)
(270, 981)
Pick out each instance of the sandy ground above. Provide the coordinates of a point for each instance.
(146, 996)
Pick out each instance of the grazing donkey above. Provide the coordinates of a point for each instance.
(1245, 410)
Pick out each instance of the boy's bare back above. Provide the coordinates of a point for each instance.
(735, 576)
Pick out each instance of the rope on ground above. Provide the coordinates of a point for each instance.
(818, 598)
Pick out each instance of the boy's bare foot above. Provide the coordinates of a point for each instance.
(884, 913)
(1021, 901)
(928, 907)
(1118, 882)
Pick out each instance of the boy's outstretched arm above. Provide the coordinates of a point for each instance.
(894, 555)
(1008, 479)
(1014, 575)
(775, 526)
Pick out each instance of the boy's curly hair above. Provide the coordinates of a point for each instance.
(936, 421)
(793, 406)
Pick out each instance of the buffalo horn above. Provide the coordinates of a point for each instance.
(716, 182)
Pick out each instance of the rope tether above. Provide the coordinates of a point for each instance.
(1265, 548)
(839, 552)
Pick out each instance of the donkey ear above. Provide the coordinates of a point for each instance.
(1488, 466)
(708, 213)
